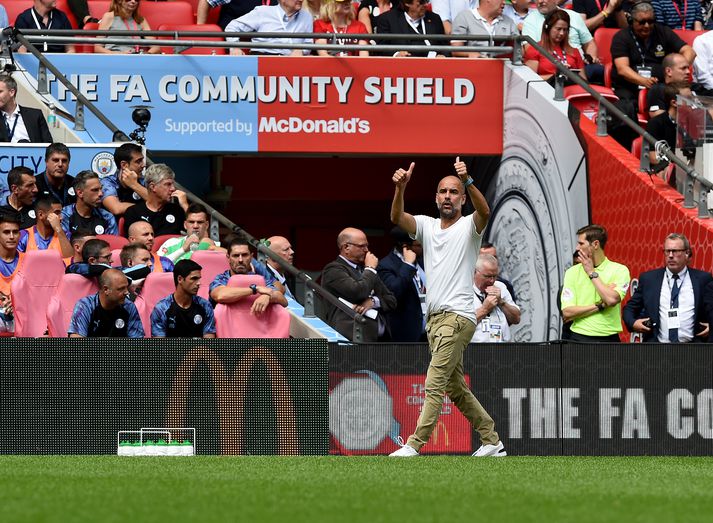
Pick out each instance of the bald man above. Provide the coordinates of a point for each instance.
(353, 278)
(282, 247)
(107, 313)
(142, 232)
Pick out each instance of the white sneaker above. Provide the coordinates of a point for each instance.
(406, 451)
(495, 451)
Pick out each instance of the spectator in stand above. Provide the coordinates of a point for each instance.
(21, 124)
(555, 38)
(10, 261)
(412, 18)
(195, 239)
(593, 290)
(517, 11)
(87, 212)
(55, 182)
(679, 14)
(447, 10)
(241, 261)
(703, 64)
(352, 278)
(107, 313)
(638, 52)
(184, 314)
(125, 187)
(487, 20)
(23, 189)
(287, 17)
(495, 308)
(601, 13)
(663, 126)
(668, 305)
(142, 232)
(338, 17)
(165, 216)
(314, 8)
(405, 278)
(44, 15)
(80, 10)
(229, 9)
(579, 36)
(48, 232)
(282, 247)
(79, 238)
(369, 11)
(489, 248)
(123, 15)
(675, 69)
(4, 22)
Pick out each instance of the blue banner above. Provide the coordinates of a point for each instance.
(198, 103)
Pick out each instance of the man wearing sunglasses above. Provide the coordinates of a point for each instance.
(638, 52)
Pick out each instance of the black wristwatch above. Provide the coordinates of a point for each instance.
(601, 306)
(593, 274)
(254, 288)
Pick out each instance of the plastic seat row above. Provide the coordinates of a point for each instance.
(42, 285)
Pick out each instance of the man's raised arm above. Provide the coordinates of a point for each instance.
(482, 210)
(403, 219)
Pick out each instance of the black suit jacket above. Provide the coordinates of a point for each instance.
(339, 278)
(35, 124)
(644, 303)
(394, 22)
(406, 320)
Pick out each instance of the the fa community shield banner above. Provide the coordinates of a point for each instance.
(289, 104)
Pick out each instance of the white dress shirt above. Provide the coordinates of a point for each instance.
(686, 307)
(15, 125)
(273, 19)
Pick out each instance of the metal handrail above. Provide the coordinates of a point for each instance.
(606, 107)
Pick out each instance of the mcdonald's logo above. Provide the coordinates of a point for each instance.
(230, 391)
(441, 426)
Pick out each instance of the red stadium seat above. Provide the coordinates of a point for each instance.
(160, 240)
(643, 107)
(114, 241)
(213, 263)
(71, 288)
(87, 48)
(636, 147)
(195, 27)
(115, 257)
(157, 13)
(586, 103)
(688, 36)
(235, 321)
(157, 286)
(603, 38)
(33, 286)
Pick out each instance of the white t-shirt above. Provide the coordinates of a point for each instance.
(494, 327)
(449, 257)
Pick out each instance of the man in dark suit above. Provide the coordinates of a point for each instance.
(411, 17)
(20, 124)
(353, 278)
(668, 304)
(402, 274)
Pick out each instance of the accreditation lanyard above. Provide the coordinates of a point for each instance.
(685, 10)
(599, 5)
(641, 52)
(38, 24)
(137, 48)
(562, 58)
(11, 132)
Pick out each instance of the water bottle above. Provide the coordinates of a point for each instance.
(52, 118)
(194, 246)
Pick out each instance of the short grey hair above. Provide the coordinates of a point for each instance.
(486, 259)
(642, 7)
(158, 172)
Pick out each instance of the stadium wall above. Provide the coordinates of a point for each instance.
(307, 397)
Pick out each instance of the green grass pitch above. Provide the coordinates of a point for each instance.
(363, 489)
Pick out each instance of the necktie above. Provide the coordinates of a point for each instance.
(675, 291)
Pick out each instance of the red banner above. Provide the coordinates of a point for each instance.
(378, 105)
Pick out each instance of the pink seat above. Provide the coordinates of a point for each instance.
(157, 286)
(160, 240)
(115, 242)
(213, 263)
(116, 257)
(33, 286)
(71, 288)
(235, 321)
(636, 147)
